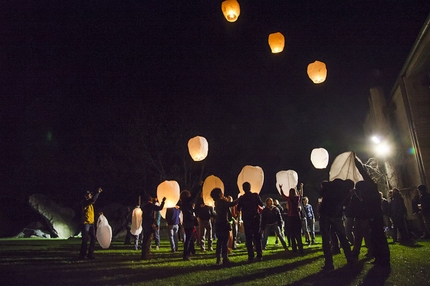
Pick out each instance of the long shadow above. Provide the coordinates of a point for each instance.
(262, 273)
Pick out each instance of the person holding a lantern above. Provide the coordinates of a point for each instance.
(294, 217)
(88, 229)
(189, 220)
(222, 225)
(148, 222)
(333, 197)
(250, 205)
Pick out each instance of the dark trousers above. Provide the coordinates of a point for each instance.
(88, 233)
(295, 226)
(146, 243)
(381, 252)
(188, 240)
(327, 223)
(253, 237)
(222, 234)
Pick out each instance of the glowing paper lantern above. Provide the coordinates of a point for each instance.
(136, 221)
(344, 168)
(210, 183)
(317, 72)
(169, 190)
(276, 42)
(198, 148)
(319, 158)
(253, 175)
(288, 179)
(104, 232)
(231, 10)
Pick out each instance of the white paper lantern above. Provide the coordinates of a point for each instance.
(319, 158)
(231, 10)
(169, 190)
(104, 232)
(276, 42)
(198, 148)
(253, 175)
(210, 183)
(136, 221)
(288, 179)
(317, 72)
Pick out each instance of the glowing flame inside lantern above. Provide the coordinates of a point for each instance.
(169, 190)
(317, 72)
(231, 10)
(253, 175)
(319, 158)
(198, 148)
(276, 42)
(210, 183)
(288, 179)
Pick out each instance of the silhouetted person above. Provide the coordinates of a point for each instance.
(148, 222)
(371, 195)
(425, 209)
(294, 220)
(222, 225)
(398, 214)
(334, 196)
(249, 204)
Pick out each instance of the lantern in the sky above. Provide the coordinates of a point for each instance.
(169, 190)
(317, 72)
(276, 42)
(253, 175)
(288, 179)
(231, 10)
(198, 148)
(210, 183)
(319, 158)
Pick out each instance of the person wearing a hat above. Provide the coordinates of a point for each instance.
(88, 229)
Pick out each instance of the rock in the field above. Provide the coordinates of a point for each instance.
(60, 219)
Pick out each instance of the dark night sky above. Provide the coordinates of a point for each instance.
(85, 85)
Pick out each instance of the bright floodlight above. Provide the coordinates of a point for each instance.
(375, 139)
(382, 149)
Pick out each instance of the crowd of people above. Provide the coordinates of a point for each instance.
(348, 214)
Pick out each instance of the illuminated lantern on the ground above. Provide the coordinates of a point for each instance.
(210, 183)
(288, 179)
(276, 42)
(253, 175)
(319, 158)
(169, 190)
(231, 10)
(198, 148)
(317, 72)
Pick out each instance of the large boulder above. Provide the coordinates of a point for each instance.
(60, 219)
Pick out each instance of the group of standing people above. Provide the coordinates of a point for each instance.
(363, 203)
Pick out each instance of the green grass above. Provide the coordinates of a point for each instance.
(54, 262)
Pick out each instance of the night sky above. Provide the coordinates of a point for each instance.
(101, 93)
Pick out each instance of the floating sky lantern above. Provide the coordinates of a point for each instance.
(317, 72)
(231, 10)
(276, 42)
(198, 148)
(104, 232)
(288, 179)
(319, 158)
(210, 183)
(169, 190)
(253, 175)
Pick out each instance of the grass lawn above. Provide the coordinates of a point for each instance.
(54, 262)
